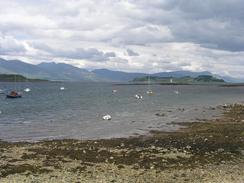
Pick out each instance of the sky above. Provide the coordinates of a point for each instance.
(128, 35)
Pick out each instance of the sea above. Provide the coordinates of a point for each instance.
(46, 112)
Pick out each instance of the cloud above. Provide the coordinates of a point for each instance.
(131, 52)
(91, 54)
(9, 45)
(127, 35)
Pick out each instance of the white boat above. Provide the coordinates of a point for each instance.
(107, 117)
(114, 91)
(149, 91)
(62, 88)
(137, 96)
(27, 90)
(1, 91)
(176, 92)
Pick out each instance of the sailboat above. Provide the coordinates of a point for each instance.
(149, 91)
(175, 91)
(27, 89)
(62, 88)
(1, 91)
(14, 93)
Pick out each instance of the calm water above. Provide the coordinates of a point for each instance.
(47, 113)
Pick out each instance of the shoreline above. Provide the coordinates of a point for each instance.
(205, 151)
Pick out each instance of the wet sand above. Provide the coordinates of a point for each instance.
(207, 151)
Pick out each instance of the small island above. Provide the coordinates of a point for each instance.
(186, 80)
(18, 78)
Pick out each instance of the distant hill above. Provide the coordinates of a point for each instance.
(17, 78)
(22, 68)
(61, 71)
(125, 76)
(179, 74)
(117, 75)
(66, 72)
(201, 79)
(48, 71)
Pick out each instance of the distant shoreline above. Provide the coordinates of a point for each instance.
(187, 84)
(18, 78)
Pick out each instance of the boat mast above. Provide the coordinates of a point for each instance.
(15, 82)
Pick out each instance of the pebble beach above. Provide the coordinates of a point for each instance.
(208, 151)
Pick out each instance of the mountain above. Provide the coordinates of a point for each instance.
(201, 79)
(117, 75)
(25, 69)
(179, 74)
(17, 78)
(68, 72)
(125, 76)
(47, 71)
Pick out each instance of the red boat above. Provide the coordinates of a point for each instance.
(14, 94)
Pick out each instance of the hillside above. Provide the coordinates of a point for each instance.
(201, 79)
(47, 71)
(125, 76)
(17, 78)
(66, 72)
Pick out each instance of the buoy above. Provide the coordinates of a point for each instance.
(107, 117)
(27, 90)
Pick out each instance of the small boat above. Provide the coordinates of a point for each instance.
(114, 91)
(107, 117)
(1, 91)
(137, 96)
(27, 90)
(149, 92)
(62, 88)
(176, 92)
(14, 94)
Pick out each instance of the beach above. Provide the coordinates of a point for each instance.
(207, 151)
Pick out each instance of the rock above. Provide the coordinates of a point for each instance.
(160, 114)
(220, 150)
(188, 147)
(225, 106)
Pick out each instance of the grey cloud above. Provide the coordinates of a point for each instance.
(91, 54)
(211, 32)
(131, 52)
(218, 23)
(10, 46)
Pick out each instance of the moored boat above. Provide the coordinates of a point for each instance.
(14, 94)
